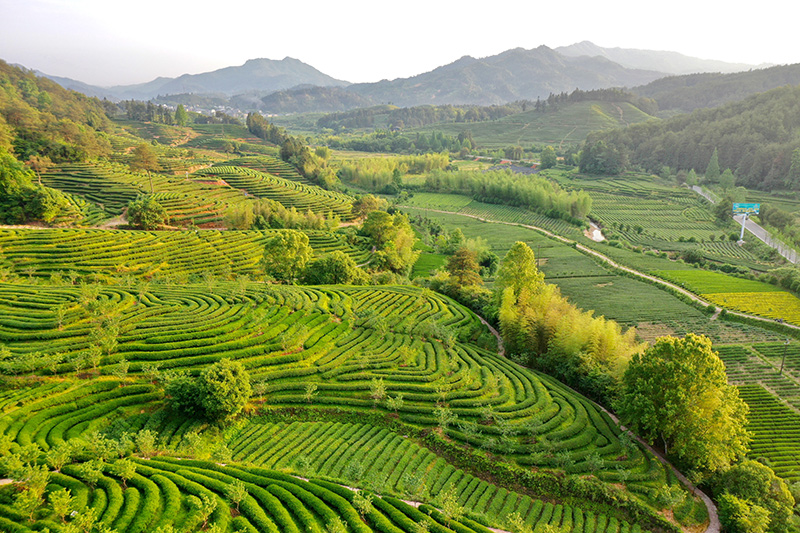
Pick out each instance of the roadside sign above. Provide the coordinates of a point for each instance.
(749, 209)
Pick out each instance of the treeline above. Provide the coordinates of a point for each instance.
(294, 151)
(264, 129)
(505, 187)
(397, 143)
(399, 118)
(413, 117)
(21, 201)
(541, 329)
(40, 118)
(754, 138)
(385, 174)
(646, 105)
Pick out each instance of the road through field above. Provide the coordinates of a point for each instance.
(610, 262)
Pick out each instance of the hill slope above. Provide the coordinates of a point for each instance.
(696, 91)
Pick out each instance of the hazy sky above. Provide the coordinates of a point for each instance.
(108, 42)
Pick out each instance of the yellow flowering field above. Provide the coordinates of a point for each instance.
(768, 304)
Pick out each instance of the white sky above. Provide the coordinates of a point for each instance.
(108, 42)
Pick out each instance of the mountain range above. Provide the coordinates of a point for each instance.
(289, 85)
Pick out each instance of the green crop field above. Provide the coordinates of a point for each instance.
(102, 254)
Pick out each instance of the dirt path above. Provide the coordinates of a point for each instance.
(610, 262)
(501, 348)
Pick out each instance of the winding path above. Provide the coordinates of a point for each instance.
(613, 264)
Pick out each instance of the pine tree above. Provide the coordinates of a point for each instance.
(712, 170)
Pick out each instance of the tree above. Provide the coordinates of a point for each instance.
(749, 493)
(146, 213)
(181, 116)
(792, 179)
(518, 270)
(366, 204)
(393, 239)
(712, 170)
(548, 158)
(677, 391)
(464, 268)
(225, 389)
(727, 181)
(144, 158)
(335, 268)
(286, 254)
(125, 469)
(62, 503)
(236, 492)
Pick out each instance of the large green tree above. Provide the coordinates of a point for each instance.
(286, 255)
(226, 389)
(144, 158)
(393, 239)
(712, 170)
(677, 393)
(748, 491)
(333, 269)
(146, 213)
(548, 158)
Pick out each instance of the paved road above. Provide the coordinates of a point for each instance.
(762, 234)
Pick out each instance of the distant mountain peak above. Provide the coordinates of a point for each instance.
(658, 60)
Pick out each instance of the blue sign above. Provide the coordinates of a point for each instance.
(746, 209)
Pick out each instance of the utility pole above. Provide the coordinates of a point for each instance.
(783, 359)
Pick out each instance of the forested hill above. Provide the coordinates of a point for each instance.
(696, 91)
(755, 138)
(39, 117)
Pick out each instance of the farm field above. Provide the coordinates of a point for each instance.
(592, 287)
(748, 296)
(773, 398)
(202, 200)
(387, 461)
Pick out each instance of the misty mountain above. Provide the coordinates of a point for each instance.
(662, 61)
(263, 75)
(512, 75)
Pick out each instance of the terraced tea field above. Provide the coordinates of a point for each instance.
(322, 346)
(289, 193)
(419, 343)
(773, 398)
(102, 254)
(387, 461)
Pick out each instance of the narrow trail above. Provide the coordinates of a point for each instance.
(714, 524)
(610, 262)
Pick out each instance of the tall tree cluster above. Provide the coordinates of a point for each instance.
(539, 325)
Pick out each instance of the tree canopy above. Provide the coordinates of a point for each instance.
(678, 392)
(333, 269)
(393, 239)
(146, 213)
(752, 498)
(286, 254)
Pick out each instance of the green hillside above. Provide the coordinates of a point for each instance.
(569, 124)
